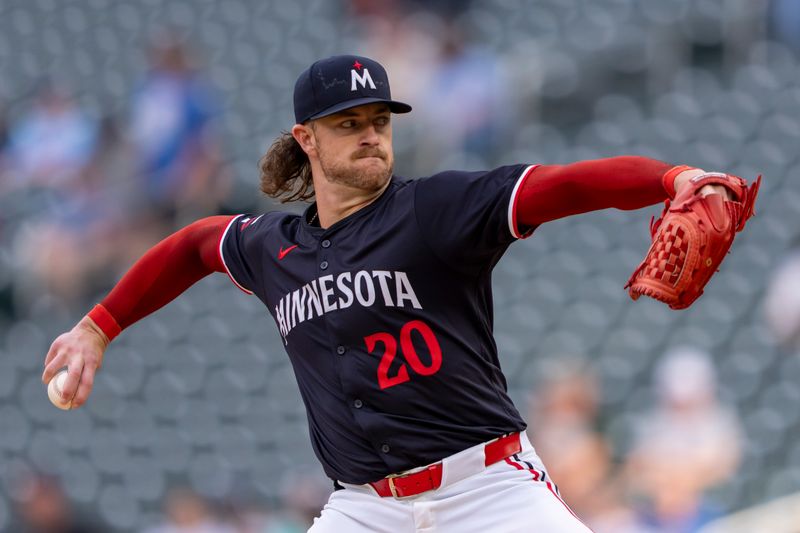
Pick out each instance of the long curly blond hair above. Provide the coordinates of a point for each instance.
(286, 171)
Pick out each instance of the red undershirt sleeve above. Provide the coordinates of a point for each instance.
(625, 182)
(161, 274)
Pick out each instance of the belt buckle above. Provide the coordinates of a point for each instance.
(393, 489)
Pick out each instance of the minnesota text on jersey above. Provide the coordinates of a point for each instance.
(329, 293)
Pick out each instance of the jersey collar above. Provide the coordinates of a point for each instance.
(318, 232)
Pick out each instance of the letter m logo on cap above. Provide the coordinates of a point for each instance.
(362, 79)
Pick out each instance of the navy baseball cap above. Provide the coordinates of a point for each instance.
(341, 82)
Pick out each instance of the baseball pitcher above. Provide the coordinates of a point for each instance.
(381, 292)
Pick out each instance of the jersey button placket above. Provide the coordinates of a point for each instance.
(325, 243)
(358, 404)
(340, 350)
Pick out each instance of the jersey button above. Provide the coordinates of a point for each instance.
(340, 350)
(358, 404)
(326, 243)
(323, 265)
(385, 448)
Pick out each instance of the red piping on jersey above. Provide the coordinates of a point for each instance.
(516, 193)
(222, 258)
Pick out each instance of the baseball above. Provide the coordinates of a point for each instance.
(54, 391)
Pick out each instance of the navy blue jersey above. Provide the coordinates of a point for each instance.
(387, 318)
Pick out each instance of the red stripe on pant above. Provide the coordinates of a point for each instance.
(539, 475)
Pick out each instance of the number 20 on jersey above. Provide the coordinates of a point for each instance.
(407, 351)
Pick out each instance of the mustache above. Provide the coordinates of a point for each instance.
(369, 152)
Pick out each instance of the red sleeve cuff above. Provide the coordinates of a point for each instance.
(668, 179)
(105, 321)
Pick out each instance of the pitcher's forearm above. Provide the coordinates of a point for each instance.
(624, 182)
(162, 274)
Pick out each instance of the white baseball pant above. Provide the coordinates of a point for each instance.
(513, 495)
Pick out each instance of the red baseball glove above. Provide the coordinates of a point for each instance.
(691, 238)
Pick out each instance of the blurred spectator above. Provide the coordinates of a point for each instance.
(187, 512)
(686, 445)
(465, 107)
(50, 145)
(564, 431)
(782, 302)
(67, 245)
(57, 213)
(43, 508)
(302, 498)
(121, 238)
(568, 395)
(173, 135)
(112, 165)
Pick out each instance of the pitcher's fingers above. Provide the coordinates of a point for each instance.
(715, 189)
(84, 387)
(73, 377)
(55, 363)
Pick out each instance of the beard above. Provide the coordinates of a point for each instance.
(369, 178)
